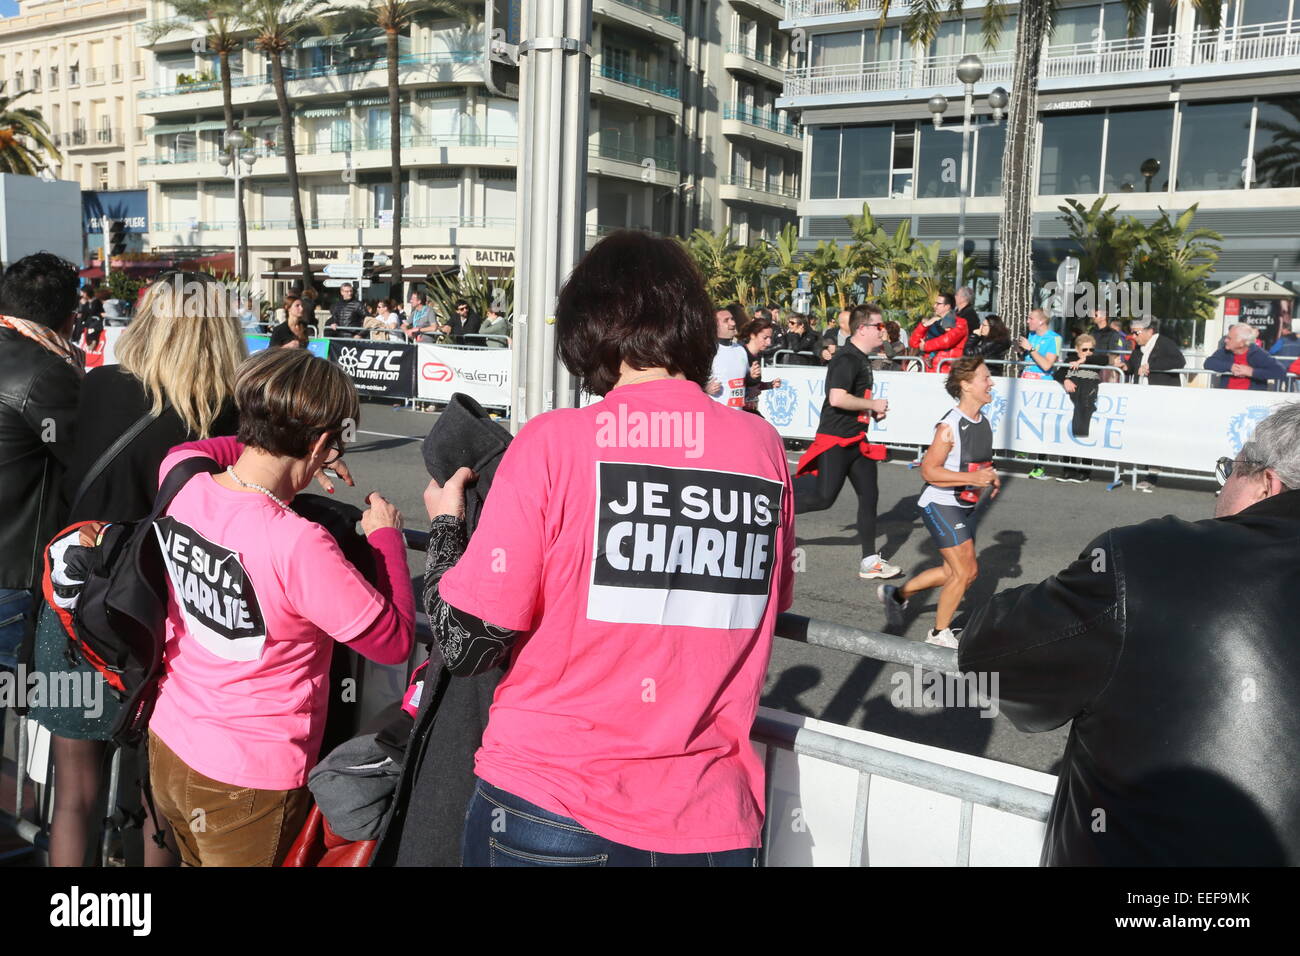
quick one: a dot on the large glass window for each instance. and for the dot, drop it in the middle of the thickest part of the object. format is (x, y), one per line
(866, 160)
(1263, 11)
(1114, 21)
(948, 39)
(1071, 154)
(1277, 143)
(837, 49)
(1076, 25)
(939, 165)
(1137, 150)
(990, 144)
(1212, 145)
(824, 167)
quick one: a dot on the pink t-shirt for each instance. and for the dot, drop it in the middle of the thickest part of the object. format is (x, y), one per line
(256, 593)
(644, 543)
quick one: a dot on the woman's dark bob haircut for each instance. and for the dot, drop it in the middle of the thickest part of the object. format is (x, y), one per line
(636, 299)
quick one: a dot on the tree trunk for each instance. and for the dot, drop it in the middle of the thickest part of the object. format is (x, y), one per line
(395, 161)
(1016, 233)
(291, 169)
(228, 111)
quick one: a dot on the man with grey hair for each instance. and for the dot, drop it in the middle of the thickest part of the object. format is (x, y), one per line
(1243, 363)
(1156, 356)
(1182, 693)
(966, 307)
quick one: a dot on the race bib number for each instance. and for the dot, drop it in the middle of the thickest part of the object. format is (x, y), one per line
(736, 392)
(682, 546)
(212, 590)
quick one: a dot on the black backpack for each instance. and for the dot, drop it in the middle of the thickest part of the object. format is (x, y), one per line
(121, 611)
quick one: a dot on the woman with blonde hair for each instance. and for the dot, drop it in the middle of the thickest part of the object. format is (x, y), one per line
(174, 382)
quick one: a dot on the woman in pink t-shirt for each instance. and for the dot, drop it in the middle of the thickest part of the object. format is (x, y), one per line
(627, 568)
(257, 597)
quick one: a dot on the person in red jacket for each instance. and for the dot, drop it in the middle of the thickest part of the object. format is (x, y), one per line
(935, 345)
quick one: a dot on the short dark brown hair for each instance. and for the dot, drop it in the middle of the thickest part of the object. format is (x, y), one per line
(963, 370)
(637, 299)
(754, 326)
(288, 398)
(862, 314)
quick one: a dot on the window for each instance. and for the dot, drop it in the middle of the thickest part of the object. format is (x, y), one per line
(990, 143)
(1137, 150)
(1071, 154)
(939, 167)
(1213, 144)
(904, 161)
(101, 175)
(1076, 25)
(1263, 11)
(18, 80)
(54, 77)
(36, 79)
(837, 49)
(824, 169)
(866, 158)
(1277, 131)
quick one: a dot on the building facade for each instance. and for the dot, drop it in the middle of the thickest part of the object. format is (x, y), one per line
(683, 135)
(83, 68)
(1177, 114)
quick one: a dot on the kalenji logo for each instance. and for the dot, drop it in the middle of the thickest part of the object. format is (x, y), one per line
(437, 372)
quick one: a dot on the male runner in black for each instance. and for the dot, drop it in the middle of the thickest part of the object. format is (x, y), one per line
(840, 449)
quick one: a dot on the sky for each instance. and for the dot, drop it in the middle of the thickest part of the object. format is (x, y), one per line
(8, 8)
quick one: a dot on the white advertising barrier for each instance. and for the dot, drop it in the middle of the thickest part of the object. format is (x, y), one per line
(1183, 428)
(482, 374)
(812, 806)
(106, 351)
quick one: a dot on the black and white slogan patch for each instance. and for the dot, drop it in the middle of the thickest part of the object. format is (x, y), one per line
(682, 546)
(213, 591)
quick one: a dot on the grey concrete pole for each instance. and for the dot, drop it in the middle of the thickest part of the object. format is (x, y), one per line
(964, 186)
(554, 86)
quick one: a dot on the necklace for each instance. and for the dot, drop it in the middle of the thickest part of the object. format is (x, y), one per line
(645, 378)
(254, 487)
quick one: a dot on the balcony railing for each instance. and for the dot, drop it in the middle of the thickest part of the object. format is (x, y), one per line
(361, 144)
(748, 51)
(361, 65)
(637, 157)
(774, 188)
(760, 118)
(635, 79)
(798, 9)
(654, 9)
(95, 74)
(1255, 43)
(365, 222)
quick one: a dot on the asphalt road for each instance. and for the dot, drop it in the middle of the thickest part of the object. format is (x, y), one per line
(1033, 529)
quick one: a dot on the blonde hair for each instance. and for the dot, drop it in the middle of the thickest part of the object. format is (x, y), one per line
(184, 346)
(1084, 339)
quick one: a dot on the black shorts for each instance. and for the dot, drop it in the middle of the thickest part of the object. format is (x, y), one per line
(949, 525)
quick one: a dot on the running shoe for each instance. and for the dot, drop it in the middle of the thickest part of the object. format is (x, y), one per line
(948, 637)
(1146, 486)
(894, 608)
(1074, 477)
(880, 569)
(1040, 474)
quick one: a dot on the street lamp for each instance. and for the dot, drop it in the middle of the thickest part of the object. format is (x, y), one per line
(970, 70)
(238, 161)
(1150, 168)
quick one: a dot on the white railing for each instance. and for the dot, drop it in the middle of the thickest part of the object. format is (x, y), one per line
(1269, 41)
(796, 9)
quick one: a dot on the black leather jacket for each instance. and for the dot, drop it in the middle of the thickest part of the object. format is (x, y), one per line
(1175, 649)
(38, 408)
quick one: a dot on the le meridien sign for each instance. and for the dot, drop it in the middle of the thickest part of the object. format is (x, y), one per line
(1067, 105)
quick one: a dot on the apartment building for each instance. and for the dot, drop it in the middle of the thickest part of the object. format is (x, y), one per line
(1175, 115)
(84, 69)
(683, 134)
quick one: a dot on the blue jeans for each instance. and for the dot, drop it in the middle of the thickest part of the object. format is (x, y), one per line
(15, 620)
(504, 830)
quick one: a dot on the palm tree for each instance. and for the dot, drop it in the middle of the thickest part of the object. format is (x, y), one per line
(277, 25)
(1177, 259)
(1106, 242)
(218, 20)
(787, 262)
(16, 127)
(394, 17)
(713, 253)
(1033, 26)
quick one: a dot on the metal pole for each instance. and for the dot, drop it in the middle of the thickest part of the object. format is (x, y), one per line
(961, 201)
(554, 79)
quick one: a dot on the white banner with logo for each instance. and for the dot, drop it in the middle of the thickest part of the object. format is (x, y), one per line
(482, 374)
(1182, 428)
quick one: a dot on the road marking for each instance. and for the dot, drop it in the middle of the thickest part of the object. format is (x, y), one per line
(387, 435)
